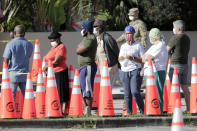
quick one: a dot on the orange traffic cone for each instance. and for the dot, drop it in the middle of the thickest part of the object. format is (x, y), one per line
(76, 107)
(167, 81)
(175, 92)
(152, 106)
(168, 85)
(193, 89)
(29, 110)
(134, 106)
(43, 73)
(53, 107)
(106, 106)
(19, 103)
(168, 68)
(40, 96)
(165, 98)
(124, 111)
(71, 79)
(177, 120)
(36, 65)
(7, 101)
(96, 88)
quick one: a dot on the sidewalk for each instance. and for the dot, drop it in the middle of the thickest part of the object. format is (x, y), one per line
(99, 122)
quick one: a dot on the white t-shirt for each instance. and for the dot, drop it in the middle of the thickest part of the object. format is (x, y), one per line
(134, 50)
(160, 54)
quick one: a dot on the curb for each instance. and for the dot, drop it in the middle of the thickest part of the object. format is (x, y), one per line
(104, 122)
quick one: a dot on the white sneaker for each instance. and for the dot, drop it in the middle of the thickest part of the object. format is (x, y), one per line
(87, 110)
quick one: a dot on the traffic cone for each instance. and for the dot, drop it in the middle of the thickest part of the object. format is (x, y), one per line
(96, 88)
(167, 81)
(124, 110)
(76, 107)
(134, 106)
(165, 98)
(175, 92)
(168, 85)
(152, 106)
(71, 79)
(193, 89)
(7, 101)
(36, 65)
(40, 96)
(43, 73)
(29, 110)
(106, 106)
(53, 107)
(177, 120)
(168, 68)
(19, 103)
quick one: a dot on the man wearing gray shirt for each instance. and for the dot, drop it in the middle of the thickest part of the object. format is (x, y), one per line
(17, 54)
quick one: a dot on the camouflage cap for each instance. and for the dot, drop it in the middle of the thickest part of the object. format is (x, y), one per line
(155, 33)
(133, 11)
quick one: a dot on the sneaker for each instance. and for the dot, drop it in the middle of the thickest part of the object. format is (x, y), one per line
(87, 110)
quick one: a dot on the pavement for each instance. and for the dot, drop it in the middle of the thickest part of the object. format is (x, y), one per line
(100, 122)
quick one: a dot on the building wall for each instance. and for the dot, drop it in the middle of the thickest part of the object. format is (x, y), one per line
(72, 39)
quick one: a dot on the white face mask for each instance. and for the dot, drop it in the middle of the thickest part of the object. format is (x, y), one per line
(54, 44)
(131, 18)
(83, 32)
(174, 31)
(151, 41)
(95, 31)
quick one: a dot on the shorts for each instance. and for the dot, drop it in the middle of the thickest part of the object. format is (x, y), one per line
(182, 73)
(86, 76)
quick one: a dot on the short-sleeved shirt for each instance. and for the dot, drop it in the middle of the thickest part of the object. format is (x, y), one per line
(88, 57)
(61, 51)
(180, 43)
(160, 54)
(18, 52)
(134, 50)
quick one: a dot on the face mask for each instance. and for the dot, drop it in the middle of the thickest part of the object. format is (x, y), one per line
(54, 44)
(174, 31)
(95, 31)
(83, 32)
(131, 18)
(151, 41)
(129, 39)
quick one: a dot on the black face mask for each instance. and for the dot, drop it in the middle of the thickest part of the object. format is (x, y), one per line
(84, 33)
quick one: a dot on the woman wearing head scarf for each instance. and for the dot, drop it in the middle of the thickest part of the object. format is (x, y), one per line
(130, 61)
(58, 54)
(158, 53)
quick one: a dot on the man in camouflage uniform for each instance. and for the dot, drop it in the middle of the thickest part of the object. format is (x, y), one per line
(139, 25)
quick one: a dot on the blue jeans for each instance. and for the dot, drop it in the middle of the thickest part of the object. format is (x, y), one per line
(15, 85)
(132, 83)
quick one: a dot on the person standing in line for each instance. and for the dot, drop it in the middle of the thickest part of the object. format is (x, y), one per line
(159, 55)
(11, 35)
(86, 51)
(130, 60)
(107, 49)
(139, 26)
(17, 54)
(58, 55)
(178, 48)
